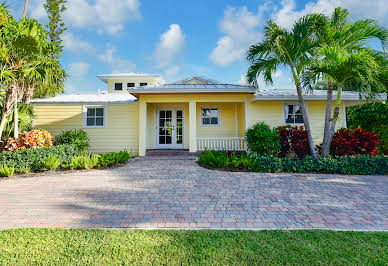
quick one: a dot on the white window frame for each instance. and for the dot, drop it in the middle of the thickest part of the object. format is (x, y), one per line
(285, 109)
(84, 115)
(210, 107)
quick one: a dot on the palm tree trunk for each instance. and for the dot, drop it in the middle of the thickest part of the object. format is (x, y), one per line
(333, 122)
(16, 120)
(25, 8)
(306, 121)
(329, 105)
(2, 124)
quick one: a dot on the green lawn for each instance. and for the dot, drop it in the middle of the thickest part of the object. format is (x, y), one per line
(79, 246)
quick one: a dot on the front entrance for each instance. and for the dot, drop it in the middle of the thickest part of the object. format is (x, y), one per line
(170, 125)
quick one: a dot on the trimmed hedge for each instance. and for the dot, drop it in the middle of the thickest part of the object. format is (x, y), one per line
(355, 165)
(33, 158)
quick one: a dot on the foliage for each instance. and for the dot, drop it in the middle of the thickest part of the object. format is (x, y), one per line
(77, 137)
(25, 115)
(6, 171)
(56, 27)
(354, 141)
(32, 158)
(262, 140)
(217, 159)
(372, 117)
(352, 165)
(30, 139)
(112, 158)
(293, 139)
(240, 160)
(51, 163)
(85, 161)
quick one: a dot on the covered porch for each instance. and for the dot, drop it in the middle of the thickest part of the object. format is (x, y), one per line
(192, 122)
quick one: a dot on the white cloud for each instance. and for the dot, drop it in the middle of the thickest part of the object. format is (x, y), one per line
(287, 14)
(71, 43)
(79, 69)
(243, 80)
(104, 15)
(115, 62)
(170, 45)
(240, 27)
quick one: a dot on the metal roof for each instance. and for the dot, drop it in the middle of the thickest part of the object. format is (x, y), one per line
(290, 94)
(89, 98)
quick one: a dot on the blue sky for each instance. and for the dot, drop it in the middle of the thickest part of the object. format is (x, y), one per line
(176, 38)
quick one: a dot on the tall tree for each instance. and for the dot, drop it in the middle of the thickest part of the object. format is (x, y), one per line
(56, 26)
(291, 49)
(344, 61)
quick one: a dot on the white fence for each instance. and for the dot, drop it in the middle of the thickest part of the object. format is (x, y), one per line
(229, 144)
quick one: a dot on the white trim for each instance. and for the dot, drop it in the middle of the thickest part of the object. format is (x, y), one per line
(191, 90)
(148, 130)
(284, 113)
(344, 115)
(236, 119)
(246, 113)
(84, 115)
(171, 146)
(218, 107)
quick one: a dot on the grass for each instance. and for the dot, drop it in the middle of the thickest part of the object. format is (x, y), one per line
(93, 246)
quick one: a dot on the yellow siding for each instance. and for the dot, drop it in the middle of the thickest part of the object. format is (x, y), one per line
(120, 133)
(110, 82)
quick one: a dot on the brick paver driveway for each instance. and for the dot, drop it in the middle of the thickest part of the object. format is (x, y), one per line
(179, 194)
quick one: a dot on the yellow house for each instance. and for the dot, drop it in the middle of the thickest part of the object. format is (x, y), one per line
(139, 112)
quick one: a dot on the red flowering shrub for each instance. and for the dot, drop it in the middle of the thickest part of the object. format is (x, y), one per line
(30, 139)
(354, 141)
(293, 139)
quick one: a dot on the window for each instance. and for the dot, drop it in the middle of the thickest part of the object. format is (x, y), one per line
(94, 116)
(130, 85)
(210, 116)
(143, 84)
(293, 114)
(118, 86)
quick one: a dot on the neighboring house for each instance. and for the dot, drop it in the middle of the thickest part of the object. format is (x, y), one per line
(139, 112)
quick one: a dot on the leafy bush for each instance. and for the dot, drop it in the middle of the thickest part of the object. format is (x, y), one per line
(217, 159)
(6, 171)
(85, 161)
(262, 140)
(241, 160)
(77, 137)
(32, 158)
(112, 158)
(355, 165)
(293, 140)
(354, 141)
(51, 163)
(30, 139)
(372, 117)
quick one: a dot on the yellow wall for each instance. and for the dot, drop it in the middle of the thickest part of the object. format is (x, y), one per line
(120, 133)
(126, 80)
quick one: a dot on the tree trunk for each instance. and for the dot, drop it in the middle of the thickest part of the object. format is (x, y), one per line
(2, 124)
(333, 122)
(16, 120)
(306, 121)
(7, 106)
(329, 105)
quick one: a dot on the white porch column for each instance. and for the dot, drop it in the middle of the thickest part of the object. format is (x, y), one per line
(142, 128)
(192, 126)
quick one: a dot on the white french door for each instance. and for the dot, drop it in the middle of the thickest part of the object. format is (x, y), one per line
(170, 127)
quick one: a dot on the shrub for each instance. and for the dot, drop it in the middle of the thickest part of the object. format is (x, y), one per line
(85, 161)
(293, 139)
(51, 163)
(240, 160)
(6, 171)
(112, 158)
(77, 137)
(30, 139)
(217, 159)
(262, 140)
(354, 165)
(33, 158)
(354, 141)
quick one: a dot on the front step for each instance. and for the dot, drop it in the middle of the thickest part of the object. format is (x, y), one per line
(169, 152)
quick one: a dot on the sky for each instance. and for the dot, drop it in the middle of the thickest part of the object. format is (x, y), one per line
(176, 38)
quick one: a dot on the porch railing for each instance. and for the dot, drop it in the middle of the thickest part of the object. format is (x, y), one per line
(229, 144)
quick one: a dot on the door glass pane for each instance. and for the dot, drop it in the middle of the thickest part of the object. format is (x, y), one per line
(162, 140)
(168, 140)
(178, 114)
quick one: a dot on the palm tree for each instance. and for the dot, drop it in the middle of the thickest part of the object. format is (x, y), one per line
(342, 45)
(288, 49)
